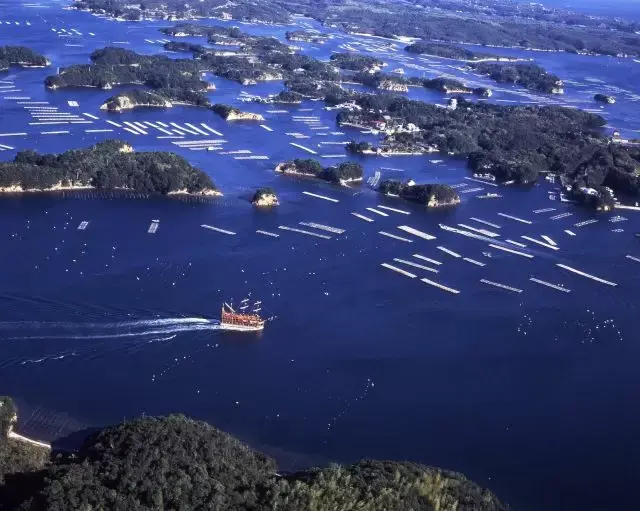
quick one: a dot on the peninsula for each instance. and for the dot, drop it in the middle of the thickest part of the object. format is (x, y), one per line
(109, 165)
(176, 463)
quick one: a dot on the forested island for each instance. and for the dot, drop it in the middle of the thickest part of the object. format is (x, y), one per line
(265, 197)
(109, 165)
(507, 24)
(356, 62)
(529, 76)
(603, 98)
(306, 36)
(451, 51)
(178, 463)
(346, 172)
(429, 195)
(20, 56)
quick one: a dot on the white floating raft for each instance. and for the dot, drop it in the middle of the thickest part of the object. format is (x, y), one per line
(317, 196)
(362, 217)
(311, 151)
(399, 270)
(538, 242)
(415, 265)
(557, 287)
(501, 286)
(400, 238)
(217, 229)
(302, 231)
(592, 277)
(401, 211)
(440, 286)
(511, 217)
(479, 220)
(267, 233)
(429, 260)
(473, 261)
(416, 232)
(510, 250)
(322, 227)
(377, 211)
(450, 252)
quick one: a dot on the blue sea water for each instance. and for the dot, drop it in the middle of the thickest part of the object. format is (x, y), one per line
(532, 394)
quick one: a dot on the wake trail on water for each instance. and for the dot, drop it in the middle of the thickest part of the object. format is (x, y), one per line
(163, 328)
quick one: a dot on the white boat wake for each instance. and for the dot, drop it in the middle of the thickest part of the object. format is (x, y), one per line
(124, 329)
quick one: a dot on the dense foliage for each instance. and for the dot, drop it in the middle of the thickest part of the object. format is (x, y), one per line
(432, 195)
(344, 172)
(107, 165)
(177, 463)
(117, 66)
(529, 76)
(20, 56)
(381, 486)
(355, 62)
(448, 51)
(512, 142)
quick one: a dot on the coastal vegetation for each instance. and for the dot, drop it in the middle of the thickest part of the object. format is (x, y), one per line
(134, 99)
(343, 173)
(430, 195)
(20, 56)
(178, 463)
(108, 165)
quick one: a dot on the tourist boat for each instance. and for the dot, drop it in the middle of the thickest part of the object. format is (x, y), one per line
(242, 320)
(489, 196)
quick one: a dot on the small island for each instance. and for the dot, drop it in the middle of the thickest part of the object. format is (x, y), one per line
(20, 56)
(429, 195)
(307, 36)
(229, 113)
(109, 165)
(529, 76)
(174, 462)
(450, 51)
(344, 173)
(603, 98)
(265, 197)
(356, 62)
